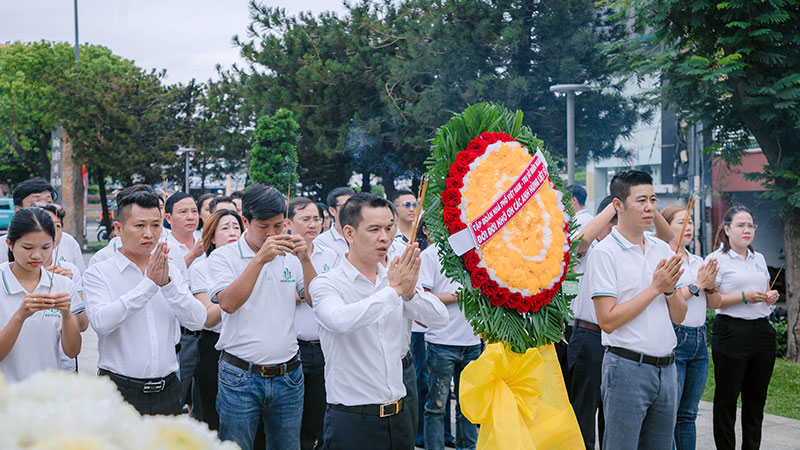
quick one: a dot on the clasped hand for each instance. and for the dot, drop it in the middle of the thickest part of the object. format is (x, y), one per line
(404, 272)
(667, 274)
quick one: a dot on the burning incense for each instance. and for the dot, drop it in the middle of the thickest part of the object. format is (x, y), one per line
(420, 199)
(776, 278)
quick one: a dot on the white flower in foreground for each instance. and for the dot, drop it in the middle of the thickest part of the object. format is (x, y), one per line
(57, 410)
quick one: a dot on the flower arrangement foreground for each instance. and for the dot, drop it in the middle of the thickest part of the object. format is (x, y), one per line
(57, 410)
(483, 161)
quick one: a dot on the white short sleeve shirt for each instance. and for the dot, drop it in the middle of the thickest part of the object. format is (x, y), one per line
(305, 323)
(262, 330)
(582, 305)
(458, 331)
(620, 269)
(696, 306)
(39, 341)
(334, 241)
(199, 282)
(737, 274)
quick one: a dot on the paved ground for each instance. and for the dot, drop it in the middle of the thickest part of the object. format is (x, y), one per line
(779, 433)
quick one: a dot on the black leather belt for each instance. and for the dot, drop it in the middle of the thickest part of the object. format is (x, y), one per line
(185, 330)
(658, 361)
(309, 343)
(267, 371)
(384, 410)
(146, 385)
(588, 325)
(407, 360)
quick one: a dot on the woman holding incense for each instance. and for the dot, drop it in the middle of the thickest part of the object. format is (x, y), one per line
(696, 287)
(743, 341)
(35, 305)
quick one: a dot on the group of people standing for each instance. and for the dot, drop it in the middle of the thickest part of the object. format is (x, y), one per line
(285, 323)
(637, 358)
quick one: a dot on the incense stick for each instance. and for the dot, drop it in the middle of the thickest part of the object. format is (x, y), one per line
(776, 278)
(686, 218)
(288, 192)
(420, 200)
(52, 276)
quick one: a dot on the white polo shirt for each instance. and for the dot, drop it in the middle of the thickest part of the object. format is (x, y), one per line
(305, 323)
(136, 320)
(737, 274)
(68, 364)
(199, 282)
(619, 269)
(37, 346)
(696, 306)
(458, 331)
(361, 332)
(68, 250)
(262, 330)
(582, 305)
(180, 250)
(334, 241)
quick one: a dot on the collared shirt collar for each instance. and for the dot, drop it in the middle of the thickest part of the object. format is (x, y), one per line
(733, 255)
(244, 248)
(122, 261)
(336, 235)
(625, 243)
(353, 273)
(13, 286)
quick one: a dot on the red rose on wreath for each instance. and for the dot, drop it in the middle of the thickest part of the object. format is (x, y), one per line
(455, 227)
(456, 183)
(466, 156)
(479, 277)
(477, 146)
(451, 197)
(451, 214)
(471, 260)
(458, 169)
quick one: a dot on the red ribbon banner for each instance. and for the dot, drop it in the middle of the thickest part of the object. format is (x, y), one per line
(488, 224)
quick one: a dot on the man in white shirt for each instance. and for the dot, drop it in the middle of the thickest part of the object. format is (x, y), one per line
(333, 238)
(363, 310)
(304, 220)
(135, 301)
(449, 351)
(37, 190)
(633, 278)
(256, 282)
(406, 206)
(582, 215)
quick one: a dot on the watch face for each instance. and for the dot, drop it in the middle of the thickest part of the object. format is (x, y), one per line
(694, 290)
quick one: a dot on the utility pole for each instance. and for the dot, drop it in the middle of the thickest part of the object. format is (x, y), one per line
(570, 90)
(186, 152)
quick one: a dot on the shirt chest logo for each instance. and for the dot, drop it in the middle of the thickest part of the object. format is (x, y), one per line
(287, 276)
(760, 269)
(325, 268)
(52, 313)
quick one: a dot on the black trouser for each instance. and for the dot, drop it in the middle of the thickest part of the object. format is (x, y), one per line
(561, 354)
(412, 395)
(585, 364)
(314, 397)
(744, 356)
(166, 401)
(207, 368)
(345, 430)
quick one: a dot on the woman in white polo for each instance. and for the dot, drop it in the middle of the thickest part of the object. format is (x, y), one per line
(742, 341)
(35, 305)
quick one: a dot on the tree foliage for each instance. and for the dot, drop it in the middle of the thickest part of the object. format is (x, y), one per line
(273, 159)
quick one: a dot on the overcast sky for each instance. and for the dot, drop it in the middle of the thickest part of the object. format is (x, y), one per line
(186, 37)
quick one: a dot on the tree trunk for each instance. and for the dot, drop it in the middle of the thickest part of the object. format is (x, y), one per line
(791, 245)
(365, 184)
(105, 218)
(44, 159)
(388, 185)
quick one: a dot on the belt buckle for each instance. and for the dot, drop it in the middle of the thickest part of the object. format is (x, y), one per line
(154, 387)
(382, 410)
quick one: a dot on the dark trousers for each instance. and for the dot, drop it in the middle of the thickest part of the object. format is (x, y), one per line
(744, 356)
(346, 430)
(314, 399)
(561, 354)
(166, 402)
(188, 359)
(585, 369)
(207, 368)
(412, 400)
(419, 352)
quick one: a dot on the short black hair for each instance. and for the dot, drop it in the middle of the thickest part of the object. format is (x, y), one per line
(262, 202)
(400, 193)
(622, 182)
(143, 198)
(338, 192)
(204, 198)
(217, 200)
(322, 208)
(56, 209)
(578, 192)
(603, 204)
(175, 198)
(32, 186)
(351, 211)
(299, 203)
(133, 189)
(29, 220)
(237, 194)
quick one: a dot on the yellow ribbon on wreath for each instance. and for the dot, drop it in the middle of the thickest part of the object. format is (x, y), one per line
(519, 400)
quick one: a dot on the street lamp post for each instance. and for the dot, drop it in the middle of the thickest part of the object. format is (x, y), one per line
(186, 151)
(570, 90)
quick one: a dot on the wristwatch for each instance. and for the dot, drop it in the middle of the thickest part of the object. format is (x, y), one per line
(694, 290)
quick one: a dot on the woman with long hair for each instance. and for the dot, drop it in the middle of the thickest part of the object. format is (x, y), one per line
(742, 340)
(222, 228)
(696, 287)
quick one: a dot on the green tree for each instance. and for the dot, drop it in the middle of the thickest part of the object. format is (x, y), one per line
(273, 159)
(734, 66)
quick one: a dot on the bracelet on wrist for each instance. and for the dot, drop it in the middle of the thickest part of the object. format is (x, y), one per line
(744, 299)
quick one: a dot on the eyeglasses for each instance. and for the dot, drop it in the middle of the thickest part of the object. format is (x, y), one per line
(45, 205)
(409, 205)
(742, 225)
(309, 219)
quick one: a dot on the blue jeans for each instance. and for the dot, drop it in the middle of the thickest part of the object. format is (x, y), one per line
(244, 397)
(691, 363)
(445, 362)
(639, 404)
